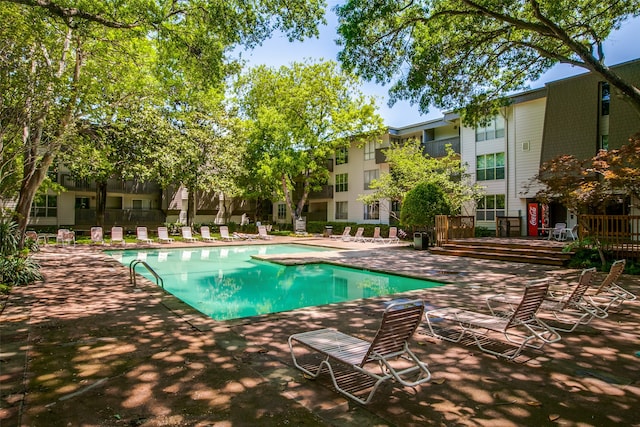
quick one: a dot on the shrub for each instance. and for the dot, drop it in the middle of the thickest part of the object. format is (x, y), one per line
(16, 268)
(422, 204)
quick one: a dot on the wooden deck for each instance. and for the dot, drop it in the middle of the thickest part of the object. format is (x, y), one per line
(527, 250)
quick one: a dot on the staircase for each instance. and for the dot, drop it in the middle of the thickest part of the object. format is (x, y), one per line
(532, 251)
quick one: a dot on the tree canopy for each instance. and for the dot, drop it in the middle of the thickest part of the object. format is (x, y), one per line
(300, 116)
(471, 54)
(589, 185)
(410, 166)
(62, 64)
(422, 204)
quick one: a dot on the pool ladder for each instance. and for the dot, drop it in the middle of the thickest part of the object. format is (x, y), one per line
(132, 272)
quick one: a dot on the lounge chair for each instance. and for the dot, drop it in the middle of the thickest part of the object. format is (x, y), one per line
(346, 234)
(371, 362)
(206, 234)
(393, 236)
(567, 308)
(142, 236)
(224, 234)
(262, 233)
(377, 237)
(609, 294)
(163, 235)
(521, 328)
(359, 236)
(97, 235)
(187, 236)
(117, 235)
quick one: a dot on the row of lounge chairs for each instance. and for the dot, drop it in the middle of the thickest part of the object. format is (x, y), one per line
(142, 235)
(359, 236)
(515, 323)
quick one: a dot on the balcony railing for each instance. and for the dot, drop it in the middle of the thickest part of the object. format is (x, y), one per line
(437, 148)
(124, 217)
(113, 185)
(619, 234)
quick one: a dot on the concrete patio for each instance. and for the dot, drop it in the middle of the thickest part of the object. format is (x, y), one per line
(86, 348)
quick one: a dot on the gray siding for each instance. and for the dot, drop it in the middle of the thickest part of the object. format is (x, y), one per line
(623, 119)
(571, 118)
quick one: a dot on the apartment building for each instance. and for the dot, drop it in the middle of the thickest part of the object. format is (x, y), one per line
(578, 115)
(353, 169)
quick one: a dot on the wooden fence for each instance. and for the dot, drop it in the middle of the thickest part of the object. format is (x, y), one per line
(618, 234)
(453, 227)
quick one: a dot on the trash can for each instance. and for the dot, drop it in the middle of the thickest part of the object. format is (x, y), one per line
(328, 230)
(420, 241)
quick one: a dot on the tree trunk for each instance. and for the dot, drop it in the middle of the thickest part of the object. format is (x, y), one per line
(34, 174)
(191, 206)
(101, 202)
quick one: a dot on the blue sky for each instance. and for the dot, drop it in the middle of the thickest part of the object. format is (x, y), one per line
(623, 45)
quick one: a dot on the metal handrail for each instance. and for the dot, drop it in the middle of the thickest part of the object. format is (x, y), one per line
(132, 272)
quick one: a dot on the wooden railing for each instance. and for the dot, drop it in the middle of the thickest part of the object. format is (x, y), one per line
(619, 234)
(453, 227)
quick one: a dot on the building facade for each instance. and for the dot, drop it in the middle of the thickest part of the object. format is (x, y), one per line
(578, 116)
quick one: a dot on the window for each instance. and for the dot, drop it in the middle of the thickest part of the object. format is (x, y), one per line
(372, 211)
(136, 204)
(494, 129)
(342, 182)
(489, 207)
(369, 176)
(490, 167)
(605, 98)
(342, 210)
(82, 203)
(604, 142)
(282, 211)
(45, 205)
(370, 151)
(342, 156)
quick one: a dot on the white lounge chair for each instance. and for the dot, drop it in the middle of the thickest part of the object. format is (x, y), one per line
(566, 305)
(117, 235)
(522, 328)
(346, 234)
(97, 235)
(375, 359)
(262, 233)
(377, 237)
(224, 234)
(142, 236)
(187, 236)
(163, 235)
(206, 234)
(609, 294)
(359, 236)
(393, 236)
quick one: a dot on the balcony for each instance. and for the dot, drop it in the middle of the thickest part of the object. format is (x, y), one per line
(123, 217)
(437, 148)
(113, 185)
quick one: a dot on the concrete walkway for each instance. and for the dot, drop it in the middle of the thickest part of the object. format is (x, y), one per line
(85, 348)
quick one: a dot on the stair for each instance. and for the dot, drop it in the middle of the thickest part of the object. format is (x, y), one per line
(515, 250)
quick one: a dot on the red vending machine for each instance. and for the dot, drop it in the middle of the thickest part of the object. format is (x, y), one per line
(537, 218)
(533, 216)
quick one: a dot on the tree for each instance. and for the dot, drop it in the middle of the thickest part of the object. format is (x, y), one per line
(206, 155)
(422, 204)
(472, 53)
(300, 116)
(56, 61)
(409, 166)
(591, 184)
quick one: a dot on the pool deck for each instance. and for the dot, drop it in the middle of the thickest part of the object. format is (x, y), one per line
(86, 348)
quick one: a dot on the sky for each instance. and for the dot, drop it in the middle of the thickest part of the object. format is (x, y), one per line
(623, 45)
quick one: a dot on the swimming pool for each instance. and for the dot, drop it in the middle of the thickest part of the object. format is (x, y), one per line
(227, 283)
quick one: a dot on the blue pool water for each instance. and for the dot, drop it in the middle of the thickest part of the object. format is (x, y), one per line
(226, 283)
